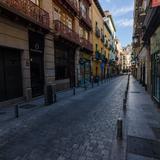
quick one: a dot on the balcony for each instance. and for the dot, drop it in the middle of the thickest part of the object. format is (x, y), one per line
(27, 10)
(98, 32)
(85, 19)
(70, 5)
(63, 31)
(97, 55)
(102, 38)
(86, 44)
(151, 22)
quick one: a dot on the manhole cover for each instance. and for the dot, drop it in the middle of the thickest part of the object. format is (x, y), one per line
(28, 106)
(1, 113)
(156, 132)
(144, 147)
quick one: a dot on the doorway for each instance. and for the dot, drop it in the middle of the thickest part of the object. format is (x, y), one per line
(37, 74)
(11, 75)
(36, 47)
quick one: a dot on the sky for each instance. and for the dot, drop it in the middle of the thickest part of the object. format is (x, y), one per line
(122, 12)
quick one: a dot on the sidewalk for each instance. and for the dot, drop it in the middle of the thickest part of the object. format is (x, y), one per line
(143, 125)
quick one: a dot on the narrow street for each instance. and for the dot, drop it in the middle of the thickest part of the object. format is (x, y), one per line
(81, 127)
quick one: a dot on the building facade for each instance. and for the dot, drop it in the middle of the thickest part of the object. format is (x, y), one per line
(112, 42)
(62, 44)
(147, 43)
(25, 47)
(98, 66)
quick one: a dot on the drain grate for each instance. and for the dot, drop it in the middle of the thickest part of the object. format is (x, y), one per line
(28, 106)
(144, 147)
(156, 132)
(135, 92)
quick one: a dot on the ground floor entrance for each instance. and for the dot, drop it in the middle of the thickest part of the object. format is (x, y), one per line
(36, 47)
(156, 76)
(64, 66)
(10, 74)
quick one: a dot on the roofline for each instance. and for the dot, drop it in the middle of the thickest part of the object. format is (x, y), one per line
(99, 7)
(110, 15)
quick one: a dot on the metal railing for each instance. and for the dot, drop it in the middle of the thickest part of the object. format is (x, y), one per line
(86, 19)
(65, 32)
(86, 44)
(73, 5)
(29, 9)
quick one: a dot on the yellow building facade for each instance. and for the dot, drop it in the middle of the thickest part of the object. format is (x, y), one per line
(106, 47)
(99, 49)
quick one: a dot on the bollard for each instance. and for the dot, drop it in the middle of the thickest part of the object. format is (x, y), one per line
(48, 95)
(74, 91)
(17, 111)
(119, 129)
(124, 104)
(55, 98)
(92, 84)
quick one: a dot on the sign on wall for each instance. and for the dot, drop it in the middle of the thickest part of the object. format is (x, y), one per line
(155, 3)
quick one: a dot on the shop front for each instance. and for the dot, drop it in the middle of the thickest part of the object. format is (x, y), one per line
(85, 69)
(155, 64)
(64, 66)
(96, 68)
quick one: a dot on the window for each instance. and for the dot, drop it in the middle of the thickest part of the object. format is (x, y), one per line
(83, 9)
(69, 22)
(96, 24)
(81, 32)
(96, 47)
(56, 14)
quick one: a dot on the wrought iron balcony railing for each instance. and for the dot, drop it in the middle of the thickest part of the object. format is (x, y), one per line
(102, 37)
(65, 32)
(28, 10)
(86, 44)
(72, 5)
(86, 19)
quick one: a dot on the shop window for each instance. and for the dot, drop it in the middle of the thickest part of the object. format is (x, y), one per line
(61, 65)
(63, 18)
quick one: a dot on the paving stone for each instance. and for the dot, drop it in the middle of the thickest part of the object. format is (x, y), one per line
(144, 147)
(80, 126)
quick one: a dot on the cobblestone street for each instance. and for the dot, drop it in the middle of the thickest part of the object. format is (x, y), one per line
(79, 128)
